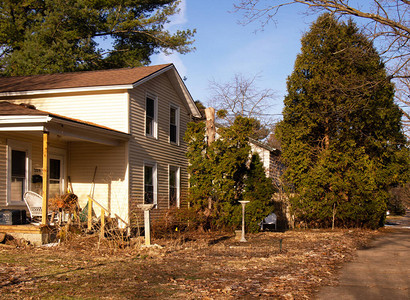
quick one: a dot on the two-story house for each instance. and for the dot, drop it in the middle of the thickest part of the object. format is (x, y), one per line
(114, 134)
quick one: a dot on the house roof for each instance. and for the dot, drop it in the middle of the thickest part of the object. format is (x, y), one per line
(10, 109)
(263, 145)
(78, 79)
(94, 80)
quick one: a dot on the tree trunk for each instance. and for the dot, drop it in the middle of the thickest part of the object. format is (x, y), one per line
(210, 124)
(326, 139)
(334, 216)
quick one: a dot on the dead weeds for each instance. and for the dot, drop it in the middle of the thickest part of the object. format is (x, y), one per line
(190, 266)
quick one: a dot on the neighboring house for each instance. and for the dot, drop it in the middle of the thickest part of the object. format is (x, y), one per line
(114, 134)
(269, 157)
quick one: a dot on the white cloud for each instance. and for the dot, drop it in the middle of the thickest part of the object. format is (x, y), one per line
(175, 58)
(180, 18)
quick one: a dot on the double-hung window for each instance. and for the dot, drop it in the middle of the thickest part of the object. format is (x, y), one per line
(151, 116)
(56, 174)
(173, 182)
(174, 124)
(19, 155)
(55, 177)
(150, 183)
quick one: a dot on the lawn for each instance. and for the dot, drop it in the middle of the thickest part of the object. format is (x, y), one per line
(190, 266)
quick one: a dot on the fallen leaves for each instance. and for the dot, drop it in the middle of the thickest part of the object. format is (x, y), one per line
(204, 266)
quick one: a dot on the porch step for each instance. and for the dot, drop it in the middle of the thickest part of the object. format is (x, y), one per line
(27, 228)
(36, 235)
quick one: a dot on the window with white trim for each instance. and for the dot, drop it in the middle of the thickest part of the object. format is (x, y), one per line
(174, 124)
(173, 182)
(151, 123)
(18, 163)
(56, 176)
(150, 183)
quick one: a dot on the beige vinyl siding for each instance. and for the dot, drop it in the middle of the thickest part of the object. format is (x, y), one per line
(111, 180)
(35, 140)
(111, 186)
(109, 109)
(144, 148)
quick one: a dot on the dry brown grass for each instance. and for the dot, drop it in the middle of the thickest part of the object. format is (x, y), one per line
(190, 266)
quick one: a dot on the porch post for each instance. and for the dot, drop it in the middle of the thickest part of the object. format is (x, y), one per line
(44, 219)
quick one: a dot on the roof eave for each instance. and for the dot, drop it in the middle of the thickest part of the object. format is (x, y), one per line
(191, 103)
(153, 75)
(63, 127)
(88, 132)
(179, 84)
(68, 90)
(263, 145)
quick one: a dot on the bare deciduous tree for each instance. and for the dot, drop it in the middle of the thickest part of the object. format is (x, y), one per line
(403, 96)
(242, 97)
(387, 22)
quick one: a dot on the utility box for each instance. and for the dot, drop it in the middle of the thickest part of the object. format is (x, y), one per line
(12, 217)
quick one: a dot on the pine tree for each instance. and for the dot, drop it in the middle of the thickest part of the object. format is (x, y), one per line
(341, 130)
(225, 173)
(50, 36)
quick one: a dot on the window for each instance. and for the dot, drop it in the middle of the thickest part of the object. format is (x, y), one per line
(55, 178)
(173, 186)
(56, 171)
(150, 183)
(18, 175)
(151, 116)
(174, 124)
(18, 165)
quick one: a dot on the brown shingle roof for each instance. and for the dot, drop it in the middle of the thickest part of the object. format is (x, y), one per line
(77, 79)
(7, 108)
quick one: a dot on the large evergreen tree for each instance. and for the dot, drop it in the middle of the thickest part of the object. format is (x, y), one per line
(341, 130)
(225, 173)
(49, 36)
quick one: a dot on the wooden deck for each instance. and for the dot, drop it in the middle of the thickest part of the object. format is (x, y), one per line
(35, 234)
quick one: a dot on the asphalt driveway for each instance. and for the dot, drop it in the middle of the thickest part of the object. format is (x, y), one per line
(381, 271)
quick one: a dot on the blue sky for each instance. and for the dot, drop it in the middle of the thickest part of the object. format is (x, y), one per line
(224, 48)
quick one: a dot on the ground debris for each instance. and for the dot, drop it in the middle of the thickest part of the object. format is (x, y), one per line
(205, 266)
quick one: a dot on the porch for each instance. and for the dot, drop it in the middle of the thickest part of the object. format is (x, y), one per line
(50, 155)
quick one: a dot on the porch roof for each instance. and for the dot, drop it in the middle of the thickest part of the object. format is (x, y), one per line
(22, 117)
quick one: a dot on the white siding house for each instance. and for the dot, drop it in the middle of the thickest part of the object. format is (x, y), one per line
(115, 134)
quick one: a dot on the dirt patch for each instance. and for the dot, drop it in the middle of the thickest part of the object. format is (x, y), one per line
(290, 265)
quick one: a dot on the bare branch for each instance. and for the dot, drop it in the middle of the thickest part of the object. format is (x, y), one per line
(241, 97)
(388, 25)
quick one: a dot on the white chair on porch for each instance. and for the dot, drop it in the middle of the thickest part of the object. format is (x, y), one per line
(34, 204)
